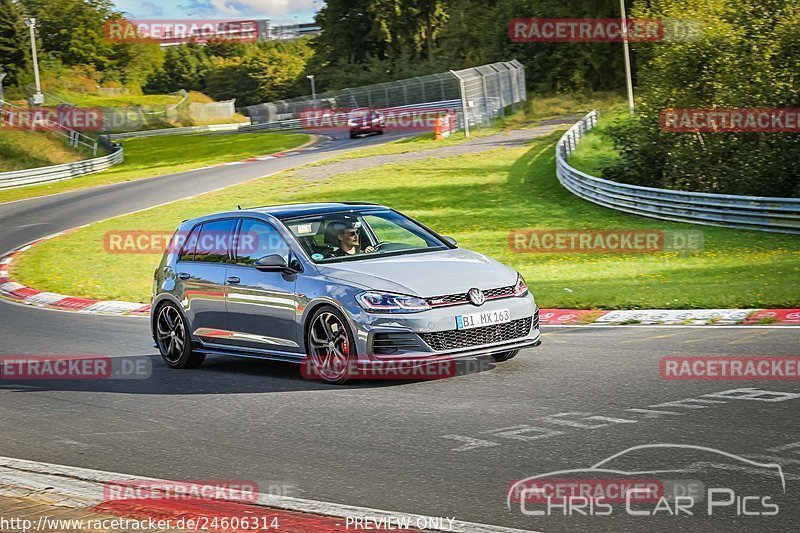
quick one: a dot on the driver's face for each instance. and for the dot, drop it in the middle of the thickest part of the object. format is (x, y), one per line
(350, 237)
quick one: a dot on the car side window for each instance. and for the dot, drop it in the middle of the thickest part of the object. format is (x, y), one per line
(187, 253)
(257, 239)
(387, 231)
(214, 241)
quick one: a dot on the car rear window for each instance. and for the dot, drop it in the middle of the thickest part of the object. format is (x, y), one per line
(214, 242)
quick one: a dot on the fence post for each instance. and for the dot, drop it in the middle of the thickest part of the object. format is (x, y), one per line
(463, 92)
(485, 90)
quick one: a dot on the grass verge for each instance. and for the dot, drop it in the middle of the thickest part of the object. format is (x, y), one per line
(22, 149)
(478, 199)
(156, 156)
(93, 100)
(596, 150)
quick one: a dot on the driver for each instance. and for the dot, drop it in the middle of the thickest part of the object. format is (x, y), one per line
(348, 235)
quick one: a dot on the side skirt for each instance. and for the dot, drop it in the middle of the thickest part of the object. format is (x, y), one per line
(211, 349)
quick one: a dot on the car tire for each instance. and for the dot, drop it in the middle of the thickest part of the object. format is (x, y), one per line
(352, 135)
(173, 339)
(328, 325)
(505, 356)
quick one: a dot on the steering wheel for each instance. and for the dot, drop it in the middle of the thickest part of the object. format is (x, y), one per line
(377, 245)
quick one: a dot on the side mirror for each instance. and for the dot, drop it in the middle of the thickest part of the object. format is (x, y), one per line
(271, 263)
(276, 263)
(449, 240)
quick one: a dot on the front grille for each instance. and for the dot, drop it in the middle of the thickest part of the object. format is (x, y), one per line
(455, 339)
(389, 343)
(461, 298)
(501, 292)
(449, 299)
(536, 319)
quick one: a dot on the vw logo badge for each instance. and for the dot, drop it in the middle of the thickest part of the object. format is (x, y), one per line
(476, 297)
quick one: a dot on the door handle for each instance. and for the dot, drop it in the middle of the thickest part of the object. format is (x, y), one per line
(184, 275)
(233, 280)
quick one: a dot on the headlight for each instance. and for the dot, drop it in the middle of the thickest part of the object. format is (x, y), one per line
(520, 288)
(384, 302)
(352, 123)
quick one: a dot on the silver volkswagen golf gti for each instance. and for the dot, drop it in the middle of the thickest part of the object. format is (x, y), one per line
(339, 285)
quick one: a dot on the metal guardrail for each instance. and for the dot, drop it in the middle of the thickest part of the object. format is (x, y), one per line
(762, 213)
(291, 124)
(20, 178)
(176, 131)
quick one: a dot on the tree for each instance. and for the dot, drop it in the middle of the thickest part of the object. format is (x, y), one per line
(14, 45)
(273, 72)
(399, 38)
(73, 30)
(226, 48)
(746, 56)
(185, 67)
(138, 62)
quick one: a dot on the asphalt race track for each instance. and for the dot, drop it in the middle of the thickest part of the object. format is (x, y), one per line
(450, 447)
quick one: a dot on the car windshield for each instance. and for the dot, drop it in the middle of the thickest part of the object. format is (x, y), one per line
(353, 235)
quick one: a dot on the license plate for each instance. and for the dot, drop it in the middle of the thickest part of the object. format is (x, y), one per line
(487, 318)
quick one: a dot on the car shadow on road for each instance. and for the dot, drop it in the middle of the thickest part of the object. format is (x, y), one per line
(148, 374)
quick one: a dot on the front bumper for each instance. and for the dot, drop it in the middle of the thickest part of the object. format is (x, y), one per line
(382, 337)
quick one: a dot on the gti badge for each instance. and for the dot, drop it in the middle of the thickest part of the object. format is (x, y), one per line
(476, 297)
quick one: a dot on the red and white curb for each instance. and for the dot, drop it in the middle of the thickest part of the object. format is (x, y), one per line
(672, 317)
(19, 293)
(85, 489)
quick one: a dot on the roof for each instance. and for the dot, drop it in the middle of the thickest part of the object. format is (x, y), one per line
(299, 210)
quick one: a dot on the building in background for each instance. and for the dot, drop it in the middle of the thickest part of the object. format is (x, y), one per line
(235, 30)
(293, 31)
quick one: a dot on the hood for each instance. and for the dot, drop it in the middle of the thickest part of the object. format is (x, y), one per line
(425, 274)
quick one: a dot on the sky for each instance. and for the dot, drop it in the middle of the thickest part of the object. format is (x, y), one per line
(278, 11)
